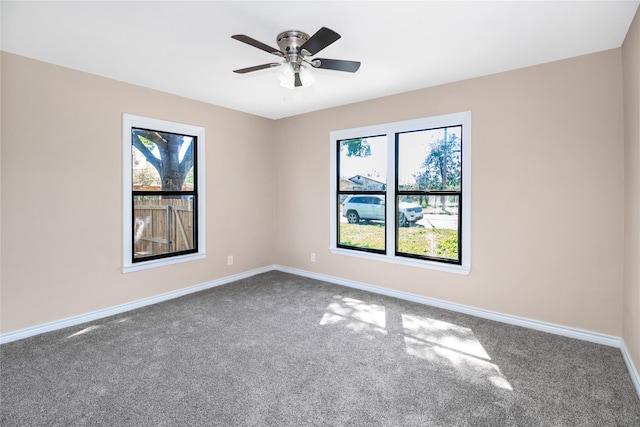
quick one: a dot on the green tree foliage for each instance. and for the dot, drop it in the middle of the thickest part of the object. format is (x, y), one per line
(358, 147)
(442, 166)
(172, 170)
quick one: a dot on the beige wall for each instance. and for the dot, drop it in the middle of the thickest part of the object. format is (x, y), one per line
(62, 192)
(547, 192)
(631, 72)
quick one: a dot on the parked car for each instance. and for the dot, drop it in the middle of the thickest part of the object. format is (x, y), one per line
(372, 207)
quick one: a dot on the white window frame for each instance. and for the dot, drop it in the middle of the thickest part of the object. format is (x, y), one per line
(390, 130)
(130, 121)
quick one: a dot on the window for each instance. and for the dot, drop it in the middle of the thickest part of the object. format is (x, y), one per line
(362, 193)
(414, 175)
(163, 194)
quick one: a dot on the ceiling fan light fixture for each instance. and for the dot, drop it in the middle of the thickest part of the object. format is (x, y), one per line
(286, 75)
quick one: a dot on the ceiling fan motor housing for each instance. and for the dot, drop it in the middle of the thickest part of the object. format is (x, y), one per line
(290, 42)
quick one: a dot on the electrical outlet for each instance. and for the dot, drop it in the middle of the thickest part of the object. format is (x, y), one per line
(230, 260)
(313, 257)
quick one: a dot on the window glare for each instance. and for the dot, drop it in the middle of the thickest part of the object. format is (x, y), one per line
(162, 225)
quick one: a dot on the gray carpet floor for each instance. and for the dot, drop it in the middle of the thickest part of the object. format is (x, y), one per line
(281, 350)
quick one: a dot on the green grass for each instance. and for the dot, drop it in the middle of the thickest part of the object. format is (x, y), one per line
(362, 235)
(439, 243)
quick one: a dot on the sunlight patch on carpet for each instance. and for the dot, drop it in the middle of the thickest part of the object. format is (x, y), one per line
(355, 315)
(451, 345)
(444, 334)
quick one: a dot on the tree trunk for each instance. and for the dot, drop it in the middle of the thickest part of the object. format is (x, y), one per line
(172, 171)
(172, 178)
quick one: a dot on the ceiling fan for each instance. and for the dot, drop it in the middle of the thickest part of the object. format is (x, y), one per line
(295, 47)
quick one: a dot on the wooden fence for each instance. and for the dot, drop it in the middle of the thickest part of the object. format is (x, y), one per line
(162, 226)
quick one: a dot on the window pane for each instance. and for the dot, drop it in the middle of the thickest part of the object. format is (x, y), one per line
(430, 159)
(362, 222)
(162, 224)
(162, 160)
(362, 164)
(145, 176)
(436, 234)
(410, 210)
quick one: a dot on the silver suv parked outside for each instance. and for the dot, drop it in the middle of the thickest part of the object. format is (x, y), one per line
(372, 207)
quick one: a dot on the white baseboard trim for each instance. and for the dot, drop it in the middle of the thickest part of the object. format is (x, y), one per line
(478, 312)
(635, 377)
(99, 314)
(566, 331)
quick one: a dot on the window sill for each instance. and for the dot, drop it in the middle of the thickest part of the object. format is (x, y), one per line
(431, 265)
(145, 265)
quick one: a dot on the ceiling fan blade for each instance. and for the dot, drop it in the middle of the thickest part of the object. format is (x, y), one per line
(298, 82)
(321, 39)
(336, 64)
(256, 68)
(255, 43)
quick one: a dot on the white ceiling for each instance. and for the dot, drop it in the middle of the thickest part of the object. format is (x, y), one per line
(185, 47)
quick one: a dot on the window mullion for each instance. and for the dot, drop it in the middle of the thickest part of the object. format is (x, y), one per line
(391, 198)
